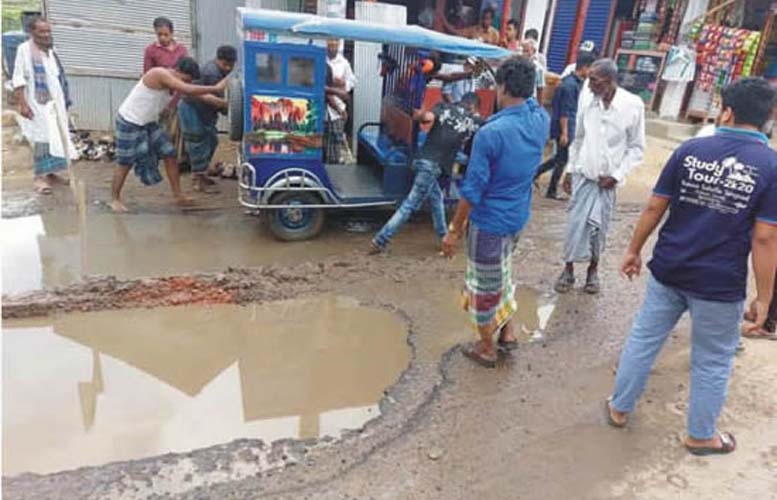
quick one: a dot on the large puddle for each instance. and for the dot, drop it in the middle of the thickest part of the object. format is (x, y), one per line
(86, 389)
(53, 249)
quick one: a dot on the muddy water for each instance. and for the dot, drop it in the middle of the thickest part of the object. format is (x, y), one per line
(86, 389)
(53, 249)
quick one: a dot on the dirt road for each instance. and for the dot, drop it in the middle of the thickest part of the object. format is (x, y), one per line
(532, 429)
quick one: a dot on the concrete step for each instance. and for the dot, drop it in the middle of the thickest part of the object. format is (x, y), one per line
(670, 130)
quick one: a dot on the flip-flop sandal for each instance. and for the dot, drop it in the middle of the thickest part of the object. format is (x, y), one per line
(507, 345)
(43, 189)
(726, 439)
(564, 283)
(592, 286)
(608, 415)
(55, 179)
(470, 351)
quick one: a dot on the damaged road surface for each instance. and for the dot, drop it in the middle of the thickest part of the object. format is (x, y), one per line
(187, 355)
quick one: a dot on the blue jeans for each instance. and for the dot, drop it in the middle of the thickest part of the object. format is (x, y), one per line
(425, 185)
(714, 340)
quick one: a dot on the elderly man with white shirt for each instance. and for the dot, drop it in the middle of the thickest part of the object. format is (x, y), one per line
(609, 143)
(41, 90)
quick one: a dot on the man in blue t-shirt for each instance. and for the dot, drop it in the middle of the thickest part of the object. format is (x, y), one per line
(721, 192)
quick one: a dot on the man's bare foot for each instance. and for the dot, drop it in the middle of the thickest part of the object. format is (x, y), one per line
(41, 185)
(118, 207)
(203, 184)
(57, 179)
(184, 201)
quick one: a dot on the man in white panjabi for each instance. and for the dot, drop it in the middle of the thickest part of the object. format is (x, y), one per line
(42, 92)
(609, 142)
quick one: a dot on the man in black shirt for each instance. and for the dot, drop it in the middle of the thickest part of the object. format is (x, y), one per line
(452, 126)
(198, 117)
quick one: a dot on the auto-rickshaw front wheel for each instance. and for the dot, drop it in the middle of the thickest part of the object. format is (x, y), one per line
(295, 221)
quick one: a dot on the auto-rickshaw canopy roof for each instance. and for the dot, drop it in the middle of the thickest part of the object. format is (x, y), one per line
(312, 26)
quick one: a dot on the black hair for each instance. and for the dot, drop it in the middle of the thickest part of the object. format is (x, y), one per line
(513, 22)
(533, 34)
(518, 76)
(227, 53)
(188, 66)
(470, 99)
(584, 59)
(35, 20)
(751, 99)
(487, 10)
(163, 22)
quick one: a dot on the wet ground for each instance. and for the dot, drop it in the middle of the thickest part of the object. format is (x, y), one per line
(532, 428)
(136, 383)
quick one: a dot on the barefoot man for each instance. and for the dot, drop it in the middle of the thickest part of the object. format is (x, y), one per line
(496, 203)
(41, 90)
(140, 142)
(721, 194)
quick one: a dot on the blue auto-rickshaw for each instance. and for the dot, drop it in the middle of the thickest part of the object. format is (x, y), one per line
(277, 108)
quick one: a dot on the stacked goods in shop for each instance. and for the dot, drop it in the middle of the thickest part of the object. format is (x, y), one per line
(645, 33)
(724, 54)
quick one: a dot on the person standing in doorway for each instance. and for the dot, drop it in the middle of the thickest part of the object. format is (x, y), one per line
(198, 116)
(721, 194)
(563, 120)
(609, 142)
(495, 206)
(140, 142)
(452, 125)
(343, 79)
(41, 89)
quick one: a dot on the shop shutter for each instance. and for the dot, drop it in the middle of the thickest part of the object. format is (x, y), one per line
(596, 21)
(563, 24)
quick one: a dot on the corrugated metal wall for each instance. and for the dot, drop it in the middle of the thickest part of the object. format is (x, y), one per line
(107, 37)
(97, 99)
(215, 26)
(367, 94)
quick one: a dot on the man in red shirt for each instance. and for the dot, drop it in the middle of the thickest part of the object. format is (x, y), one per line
(166, 51)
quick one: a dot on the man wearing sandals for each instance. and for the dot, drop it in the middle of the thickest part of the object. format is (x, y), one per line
(496, 203)
(609, 142)
(721, 193)
(42, 91)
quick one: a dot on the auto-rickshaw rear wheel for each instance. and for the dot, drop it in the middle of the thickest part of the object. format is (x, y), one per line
(295, 223)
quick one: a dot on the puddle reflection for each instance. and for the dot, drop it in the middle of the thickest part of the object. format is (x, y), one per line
(91, 388)
(54, 249)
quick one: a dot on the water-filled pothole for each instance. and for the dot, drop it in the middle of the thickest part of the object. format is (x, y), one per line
(86, 389)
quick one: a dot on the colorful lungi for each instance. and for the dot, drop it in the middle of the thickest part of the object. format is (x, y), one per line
(141, 148)
(200, 139)
(489, 293)
(42, 161)
(334, 139)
